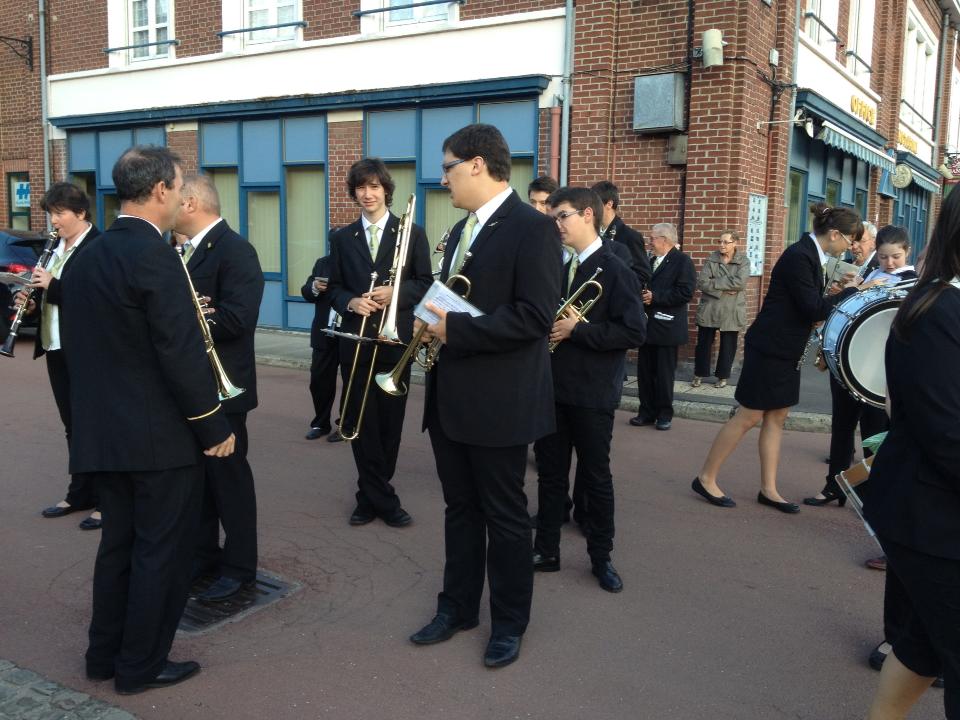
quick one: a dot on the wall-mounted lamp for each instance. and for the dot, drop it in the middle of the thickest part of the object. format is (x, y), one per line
(800, 119)
(713, 48)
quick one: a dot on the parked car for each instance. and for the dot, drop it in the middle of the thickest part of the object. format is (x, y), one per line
(19, 250)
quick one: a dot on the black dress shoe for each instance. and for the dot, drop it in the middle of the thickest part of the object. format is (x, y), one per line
(55, 511)
(362, 517)
(608, 578)
(224, 588)
(663, 424)
(785, 507)
(640, 421)
(442, 627)
(502, 650)
(878, 655)
(315, 433)
(334, 437)
(722, 501)
(546, 563)
(172, 673)
(90, 523)
(398, 518)
(828, 497)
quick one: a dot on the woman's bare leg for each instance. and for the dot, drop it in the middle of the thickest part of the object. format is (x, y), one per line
(899, 690)
(725, 443)
(771, 435)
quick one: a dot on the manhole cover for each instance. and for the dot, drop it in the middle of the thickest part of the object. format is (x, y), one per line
(201, 617)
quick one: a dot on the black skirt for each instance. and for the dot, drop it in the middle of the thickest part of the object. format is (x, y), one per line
(767, 383)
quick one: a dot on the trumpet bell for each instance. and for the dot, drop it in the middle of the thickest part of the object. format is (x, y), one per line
(391, 383)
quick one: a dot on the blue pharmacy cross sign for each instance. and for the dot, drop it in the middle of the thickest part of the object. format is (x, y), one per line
(21, 194)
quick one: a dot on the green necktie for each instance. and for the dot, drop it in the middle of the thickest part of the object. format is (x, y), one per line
(574, 264)
(374, 244)
(187, 251)
(466, 235)
(46, 322)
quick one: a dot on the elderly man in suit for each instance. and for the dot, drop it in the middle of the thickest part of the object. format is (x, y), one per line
(665, 298)
(326, 355)
(490, 393)
(224, 267)
(130, 329)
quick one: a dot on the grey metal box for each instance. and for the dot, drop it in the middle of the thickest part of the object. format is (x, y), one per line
(658, 103)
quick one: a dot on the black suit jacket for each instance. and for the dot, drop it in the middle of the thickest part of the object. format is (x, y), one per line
(914, 494)
(588, 366)
(54, 293)
(226, 269)
(137, 357)
(321, 302)
(622, 234)
(794, 302)
(672, 285)
(492, 384)
(350, 268)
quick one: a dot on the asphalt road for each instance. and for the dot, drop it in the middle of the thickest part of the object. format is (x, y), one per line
(743, 613)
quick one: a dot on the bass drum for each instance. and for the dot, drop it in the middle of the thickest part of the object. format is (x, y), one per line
(854, 338)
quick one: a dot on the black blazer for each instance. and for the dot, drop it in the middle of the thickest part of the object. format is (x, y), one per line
(54, 293)
(138, 367)
(622, 234)
(492, 384)
(588, 366)
(350, 268)
(226, 269)
(914, 493)
(672, 285)
(794, 302)
(321, 303)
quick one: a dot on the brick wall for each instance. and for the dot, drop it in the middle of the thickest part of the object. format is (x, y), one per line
(184, 143)
(196, 24)
(491, 8)
(330, 18)
(345, 147)
(76, 35)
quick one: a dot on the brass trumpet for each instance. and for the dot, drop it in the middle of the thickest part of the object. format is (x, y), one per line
(582, 309)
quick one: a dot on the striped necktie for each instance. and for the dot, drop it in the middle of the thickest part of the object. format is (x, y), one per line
(466, 235)
(374, 243)
(188, 249)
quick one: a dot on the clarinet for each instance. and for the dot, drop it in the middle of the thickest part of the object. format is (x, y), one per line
(7, 350)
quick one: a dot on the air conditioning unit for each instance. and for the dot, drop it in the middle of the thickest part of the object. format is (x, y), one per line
(658, 103)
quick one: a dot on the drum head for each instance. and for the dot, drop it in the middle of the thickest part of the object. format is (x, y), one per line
(862, 352)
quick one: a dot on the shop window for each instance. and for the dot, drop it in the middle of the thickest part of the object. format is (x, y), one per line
(306, 222)
(149, 22)
(228, 188)
(796, 200)
(88, 183)
(18, 200)
(111, 208)
(263, 227)
(832, 196)
(860, 202)
(439, 218)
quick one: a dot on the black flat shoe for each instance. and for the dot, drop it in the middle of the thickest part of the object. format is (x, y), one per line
(607, 576)
(828, 497)
(172, 673)
(315, 433)
(639, 421)
(224, 588)
(546, 563)
(398, 518)
(55, 511)
(90, 523)
(502, 650)
(784, 507)
(442, 627)
(362, 517)
(722, 501)
(334, 437)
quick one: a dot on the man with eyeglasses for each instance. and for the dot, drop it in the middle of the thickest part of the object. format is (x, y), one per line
(490, 393)
(666, 298)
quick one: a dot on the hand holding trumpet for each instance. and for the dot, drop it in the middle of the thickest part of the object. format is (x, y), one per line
(563, 326)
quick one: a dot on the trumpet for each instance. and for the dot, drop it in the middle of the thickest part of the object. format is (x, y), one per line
(387, 333)
(225, 388)
(7, 350)
(584, 307)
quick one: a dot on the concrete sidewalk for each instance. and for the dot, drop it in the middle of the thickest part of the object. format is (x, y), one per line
(291, 349)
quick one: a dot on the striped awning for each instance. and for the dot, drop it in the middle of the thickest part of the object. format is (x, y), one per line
(928, 184)
(839, 138)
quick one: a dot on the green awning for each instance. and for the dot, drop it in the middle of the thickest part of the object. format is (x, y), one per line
(837, 137)
(926, 183)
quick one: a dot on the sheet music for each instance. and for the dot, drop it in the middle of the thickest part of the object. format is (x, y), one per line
(445, 299)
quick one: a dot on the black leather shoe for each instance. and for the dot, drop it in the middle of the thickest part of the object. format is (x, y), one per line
(398, 518)
(722, 501)
(362, 517)
(878, 655)
(172, 673)
(442, 627)
(784, 507)
(640, 421)
(545, 563)
(828, 497)
(224, 588)
(663, 424)
(334, 437)
(90, 523)
(608, 578)
(315, 433)
(502, 650)
(55, 511)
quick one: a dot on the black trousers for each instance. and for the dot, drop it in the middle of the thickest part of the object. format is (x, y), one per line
(486, 528)
(82, 491)
(847, 412)
(588, 431)
(142, 571)
(376, 450)
(229, 499)
(728, 350)
(656, 369)
(323, 383)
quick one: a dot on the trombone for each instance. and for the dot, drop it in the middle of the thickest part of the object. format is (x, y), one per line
(387, 332)
(579, 310)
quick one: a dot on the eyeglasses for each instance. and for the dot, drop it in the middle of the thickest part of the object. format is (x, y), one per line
(446, 167)
(727, 242)
(848, 240)
(560, 217)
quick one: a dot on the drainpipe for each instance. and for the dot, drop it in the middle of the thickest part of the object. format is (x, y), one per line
(567, 91)
(937, 110)
(554, 141)
(42, 16)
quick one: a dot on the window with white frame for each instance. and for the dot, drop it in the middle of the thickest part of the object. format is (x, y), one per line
(860, 36)
(266, 13)
(406, 15)
(822, 19)
(953, 133)
(380, 15)
(919, 75)
(149, 22)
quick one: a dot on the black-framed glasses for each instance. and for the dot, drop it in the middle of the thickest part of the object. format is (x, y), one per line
(446, 167)
(561, 216)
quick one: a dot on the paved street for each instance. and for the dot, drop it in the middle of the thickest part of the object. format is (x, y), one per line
(726, 614)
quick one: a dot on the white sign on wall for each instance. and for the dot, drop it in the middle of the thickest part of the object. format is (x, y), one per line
(21, 194)
(756, 232)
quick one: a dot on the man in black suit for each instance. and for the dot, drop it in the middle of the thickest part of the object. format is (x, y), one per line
(224, 267)
(587, 367)
(665, 297)
(326, 355)
(612, 227)
(490, 393)
(139, 422)
(364, 247)
(69, 209)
